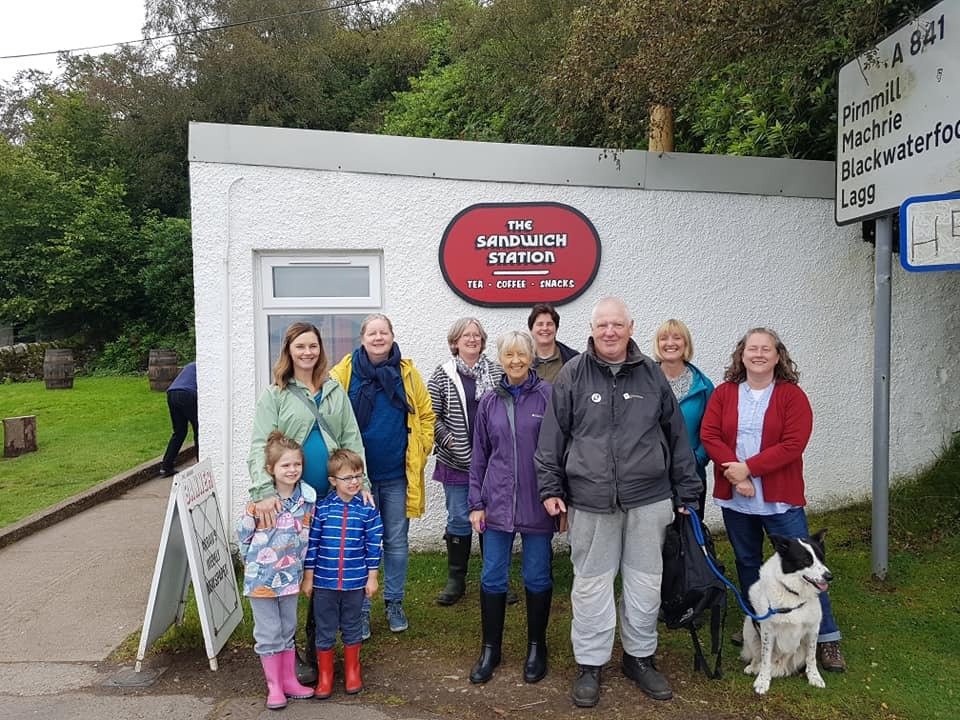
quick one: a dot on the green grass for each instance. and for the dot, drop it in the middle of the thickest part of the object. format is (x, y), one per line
(101, 427)
(900, 635)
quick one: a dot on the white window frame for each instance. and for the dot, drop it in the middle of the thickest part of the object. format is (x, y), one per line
(372, 261)
(268, 305)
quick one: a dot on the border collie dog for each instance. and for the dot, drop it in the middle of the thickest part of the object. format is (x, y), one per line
(786, 642)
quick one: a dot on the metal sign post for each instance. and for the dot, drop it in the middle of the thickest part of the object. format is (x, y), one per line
(883, 265)
(898, 134)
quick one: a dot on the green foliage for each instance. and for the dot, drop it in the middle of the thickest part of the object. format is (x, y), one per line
(130, 352)
(167, 273)
(436, 106)
(487, 74)
(85, 435)
(729, 117)
(63, 227)
(624, 55)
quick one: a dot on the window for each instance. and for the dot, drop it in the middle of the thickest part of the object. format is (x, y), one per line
(334, 292)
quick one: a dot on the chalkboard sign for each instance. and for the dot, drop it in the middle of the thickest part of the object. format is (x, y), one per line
(193, 548)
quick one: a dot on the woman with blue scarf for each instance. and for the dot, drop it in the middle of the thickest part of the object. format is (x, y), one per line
(396, 419)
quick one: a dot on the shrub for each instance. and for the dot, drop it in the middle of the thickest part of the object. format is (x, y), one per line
(130, 352)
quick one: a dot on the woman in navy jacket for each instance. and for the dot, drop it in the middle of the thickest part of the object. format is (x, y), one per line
(504, 499)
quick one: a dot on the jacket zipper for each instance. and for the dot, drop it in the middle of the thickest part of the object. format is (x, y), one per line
(343, 544)
(516, 478)
(613, 453)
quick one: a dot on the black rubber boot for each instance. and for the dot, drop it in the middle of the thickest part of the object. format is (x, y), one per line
(458, 557)
(493, 609)
(538, 614)
(306, 665)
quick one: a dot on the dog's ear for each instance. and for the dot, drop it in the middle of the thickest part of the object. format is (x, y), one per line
(816, 542)
(780, 544)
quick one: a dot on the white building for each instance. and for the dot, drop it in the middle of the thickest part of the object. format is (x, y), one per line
(723, 243)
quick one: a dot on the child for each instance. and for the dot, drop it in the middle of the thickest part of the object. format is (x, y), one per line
(273, 570)
(340, 568)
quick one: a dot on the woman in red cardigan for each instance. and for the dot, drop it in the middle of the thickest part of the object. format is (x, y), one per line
(755, 429)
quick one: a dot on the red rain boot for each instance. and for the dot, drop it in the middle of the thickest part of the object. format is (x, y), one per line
(273, 671)
(324, 674)
(351, 669)
(291, 686)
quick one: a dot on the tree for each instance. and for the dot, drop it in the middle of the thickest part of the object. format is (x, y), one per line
(487, 74)
(624, 55)
(66, 237)
(167, 273)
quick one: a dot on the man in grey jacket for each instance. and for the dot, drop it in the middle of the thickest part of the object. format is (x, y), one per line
(614, 455)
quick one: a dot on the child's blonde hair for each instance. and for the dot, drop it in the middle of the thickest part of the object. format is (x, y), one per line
(343, 459)
(277, 444)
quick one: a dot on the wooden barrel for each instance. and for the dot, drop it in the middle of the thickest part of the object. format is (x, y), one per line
(58, 369)
(162, 369)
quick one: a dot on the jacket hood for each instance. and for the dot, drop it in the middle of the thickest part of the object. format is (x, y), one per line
(531, 384)
(701, 383)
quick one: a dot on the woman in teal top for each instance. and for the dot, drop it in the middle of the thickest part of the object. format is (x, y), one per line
(304, 404)
(673, 350)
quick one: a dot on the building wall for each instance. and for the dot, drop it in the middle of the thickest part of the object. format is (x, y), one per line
(721, 261)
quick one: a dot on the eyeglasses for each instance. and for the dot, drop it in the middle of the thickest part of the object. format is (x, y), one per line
(352, 479)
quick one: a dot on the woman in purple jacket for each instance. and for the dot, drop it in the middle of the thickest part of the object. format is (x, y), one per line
(504, 500)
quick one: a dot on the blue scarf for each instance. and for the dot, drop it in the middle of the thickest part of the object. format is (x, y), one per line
(385, 375)
(514, 390)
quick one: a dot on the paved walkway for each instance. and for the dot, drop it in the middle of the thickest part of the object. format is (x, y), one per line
(72, 589)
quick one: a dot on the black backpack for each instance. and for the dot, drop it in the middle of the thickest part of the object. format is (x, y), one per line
(690, 588)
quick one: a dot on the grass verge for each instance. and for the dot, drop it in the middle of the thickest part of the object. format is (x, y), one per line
(99, 428)
(900, 634)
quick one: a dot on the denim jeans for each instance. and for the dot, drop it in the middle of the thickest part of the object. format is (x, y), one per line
(337, 610)
(390, 497)
(535, 566)
(458, 516)
(745, 533)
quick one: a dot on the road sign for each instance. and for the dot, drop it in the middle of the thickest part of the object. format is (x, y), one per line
(193, 547)
(930, 233)
(898, 118)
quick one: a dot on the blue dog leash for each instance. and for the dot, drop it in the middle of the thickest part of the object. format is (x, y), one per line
(698, 534)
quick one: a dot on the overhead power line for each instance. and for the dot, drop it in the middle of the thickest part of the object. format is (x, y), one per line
(182, 33)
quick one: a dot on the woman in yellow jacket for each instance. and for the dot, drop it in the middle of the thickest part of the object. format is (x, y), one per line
(395, 416)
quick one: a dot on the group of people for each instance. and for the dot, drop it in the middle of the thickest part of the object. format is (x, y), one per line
(606, 445)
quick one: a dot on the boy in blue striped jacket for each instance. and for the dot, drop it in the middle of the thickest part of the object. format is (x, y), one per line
(341, 567)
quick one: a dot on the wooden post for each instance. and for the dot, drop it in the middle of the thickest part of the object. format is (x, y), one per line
(661, 129)
(19, 435)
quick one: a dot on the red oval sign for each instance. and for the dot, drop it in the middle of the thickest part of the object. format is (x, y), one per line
(519, 254)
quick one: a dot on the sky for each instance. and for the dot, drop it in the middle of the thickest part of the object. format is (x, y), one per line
(30, 26)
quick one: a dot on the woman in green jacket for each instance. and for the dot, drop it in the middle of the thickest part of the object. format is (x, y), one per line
(305, 404)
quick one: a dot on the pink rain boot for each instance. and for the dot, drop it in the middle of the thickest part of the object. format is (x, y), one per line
(291, 686)
(273, 671)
